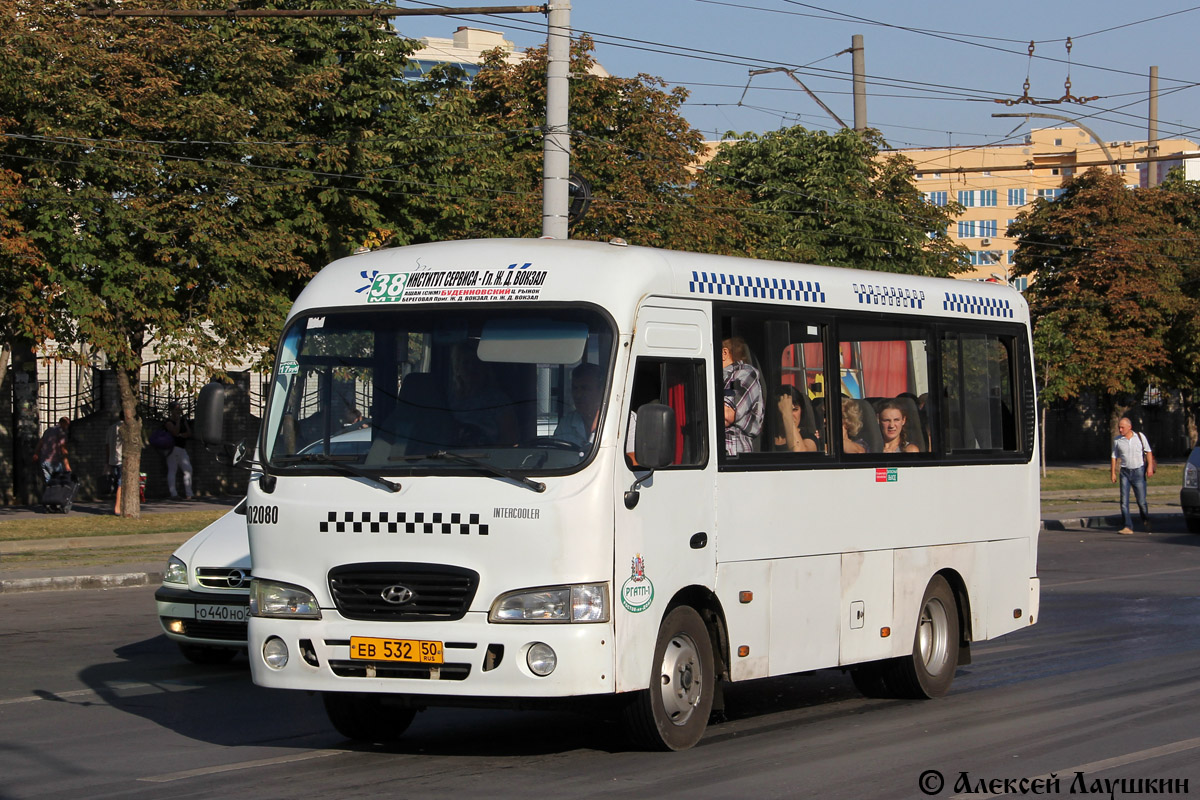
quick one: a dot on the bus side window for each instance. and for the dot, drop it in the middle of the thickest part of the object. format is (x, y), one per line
(979, 398)
(678, 383)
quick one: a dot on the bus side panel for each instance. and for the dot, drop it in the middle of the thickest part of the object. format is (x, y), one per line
(804, 613)
(866, 608)
(1008, 595)
(749, 623)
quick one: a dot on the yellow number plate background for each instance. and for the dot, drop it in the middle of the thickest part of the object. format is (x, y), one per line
(370, 649)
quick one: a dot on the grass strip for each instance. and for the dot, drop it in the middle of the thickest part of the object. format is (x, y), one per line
(1076, 478)
(61, 526)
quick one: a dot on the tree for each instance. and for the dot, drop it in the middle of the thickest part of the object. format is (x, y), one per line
(182, 178)
(629, 141)
(832, 199)
(1105, 283)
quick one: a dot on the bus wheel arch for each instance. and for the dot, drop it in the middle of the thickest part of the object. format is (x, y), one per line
(929, 670)
(673, 712)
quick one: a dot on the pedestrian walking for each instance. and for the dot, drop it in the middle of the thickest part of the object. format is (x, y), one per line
(113, 445)
(1134, 461)
(51, 453)
(177, 459)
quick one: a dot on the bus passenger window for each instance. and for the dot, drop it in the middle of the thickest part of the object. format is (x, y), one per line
(979, 398)
(677, 383)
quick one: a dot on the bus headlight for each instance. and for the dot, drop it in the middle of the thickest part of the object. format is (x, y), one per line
(176, 571)
(580, 603)
(282, 600)
(1191, 476)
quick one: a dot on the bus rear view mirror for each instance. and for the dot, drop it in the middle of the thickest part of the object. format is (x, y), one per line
(654, 441)
(210, 414)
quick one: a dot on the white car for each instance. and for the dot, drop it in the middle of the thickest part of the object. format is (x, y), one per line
(1189, 493)
(204, 601)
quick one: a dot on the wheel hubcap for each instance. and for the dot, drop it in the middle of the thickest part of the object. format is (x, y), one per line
(682, 679)
(933, 635)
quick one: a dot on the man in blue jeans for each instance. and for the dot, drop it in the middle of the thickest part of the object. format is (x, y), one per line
(1132, 456)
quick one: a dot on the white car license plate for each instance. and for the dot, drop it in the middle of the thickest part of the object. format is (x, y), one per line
(223, 613)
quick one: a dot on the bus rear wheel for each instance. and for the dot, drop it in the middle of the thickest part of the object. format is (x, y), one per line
(929, 671)
(367, 718)
(673, 713)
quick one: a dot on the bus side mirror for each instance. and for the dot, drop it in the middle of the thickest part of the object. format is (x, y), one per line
(654, 442)
(210, 414)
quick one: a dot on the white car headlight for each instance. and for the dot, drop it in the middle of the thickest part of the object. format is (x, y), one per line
(176, 571)
(1191, 476)
(282, 600)
(580, 603)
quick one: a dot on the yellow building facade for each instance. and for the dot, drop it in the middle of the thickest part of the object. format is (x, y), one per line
(995, 183)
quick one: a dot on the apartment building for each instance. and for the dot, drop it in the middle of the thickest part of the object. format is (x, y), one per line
(465, 49)
(996, 182)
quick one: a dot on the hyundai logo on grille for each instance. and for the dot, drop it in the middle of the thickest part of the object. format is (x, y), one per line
(236, 579)
(397, 595)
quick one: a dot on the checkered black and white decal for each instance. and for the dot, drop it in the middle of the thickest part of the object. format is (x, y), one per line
(754, 286)
(403, 522)
(984, 306)
(870, 294)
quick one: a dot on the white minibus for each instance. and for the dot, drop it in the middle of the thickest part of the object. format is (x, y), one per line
(616, 478)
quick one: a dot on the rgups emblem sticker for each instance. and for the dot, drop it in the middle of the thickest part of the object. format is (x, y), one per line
(638, 591)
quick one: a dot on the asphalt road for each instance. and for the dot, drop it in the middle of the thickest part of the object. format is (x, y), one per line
(95, 704)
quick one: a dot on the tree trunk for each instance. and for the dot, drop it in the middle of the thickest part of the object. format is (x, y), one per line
(131, 438)
(27, 477)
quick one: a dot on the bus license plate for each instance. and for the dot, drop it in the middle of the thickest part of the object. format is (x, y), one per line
(223, 613)
(368, 649)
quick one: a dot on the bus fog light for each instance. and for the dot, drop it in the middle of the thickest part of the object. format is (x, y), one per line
(541, 659)
(275, 653)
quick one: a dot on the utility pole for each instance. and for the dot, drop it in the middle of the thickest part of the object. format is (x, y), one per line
(858, 59)
(1152, 130)
(556, 147)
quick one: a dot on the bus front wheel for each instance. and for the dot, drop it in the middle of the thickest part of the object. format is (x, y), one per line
(673, 713)
(367, 717)
(930, 669)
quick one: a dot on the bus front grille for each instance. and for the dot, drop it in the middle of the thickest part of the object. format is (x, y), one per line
(391, 592)
(384, 669)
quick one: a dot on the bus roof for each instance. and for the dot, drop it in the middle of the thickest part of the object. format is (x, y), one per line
(616, 276)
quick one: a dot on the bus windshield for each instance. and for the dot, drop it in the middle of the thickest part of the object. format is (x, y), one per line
(403, 391)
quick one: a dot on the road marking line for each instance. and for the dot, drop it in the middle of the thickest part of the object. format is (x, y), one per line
(117, 687)
(1106, 764)
(1047, 585)
(262, 762)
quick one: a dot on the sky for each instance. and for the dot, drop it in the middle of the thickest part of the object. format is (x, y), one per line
(934, 68)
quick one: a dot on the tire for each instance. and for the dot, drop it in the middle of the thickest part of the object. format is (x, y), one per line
(673, 713)
(367, 718)
(207, 656)
(930, 669)
(1193, 524)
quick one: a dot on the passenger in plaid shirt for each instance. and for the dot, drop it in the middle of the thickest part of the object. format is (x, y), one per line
(743, 398)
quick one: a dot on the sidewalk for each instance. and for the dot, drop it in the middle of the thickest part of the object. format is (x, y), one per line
(1089, 509)
(123, 571)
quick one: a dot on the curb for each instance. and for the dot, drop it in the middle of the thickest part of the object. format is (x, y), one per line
(68, 582)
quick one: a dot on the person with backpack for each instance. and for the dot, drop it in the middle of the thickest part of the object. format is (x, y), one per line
(1132, 457)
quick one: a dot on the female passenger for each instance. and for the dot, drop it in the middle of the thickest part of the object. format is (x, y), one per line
(791, 408)
(891, 424)
(852, 423)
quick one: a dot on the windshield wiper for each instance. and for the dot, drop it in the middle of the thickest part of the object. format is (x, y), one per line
(335, 463)
(474, 460)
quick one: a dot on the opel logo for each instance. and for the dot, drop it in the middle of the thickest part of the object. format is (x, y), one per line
(397, 595)
(236, 578)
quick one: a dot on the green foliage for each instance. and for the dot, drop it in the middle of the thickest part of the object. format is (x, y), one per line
(1110, 270)
(629, 141)
(831, 199)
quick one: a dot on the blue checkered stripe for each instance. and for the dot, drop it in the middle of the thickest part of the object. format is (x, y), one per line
(870, 294)
(403, 522)
(755, 286)
(984, 306)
